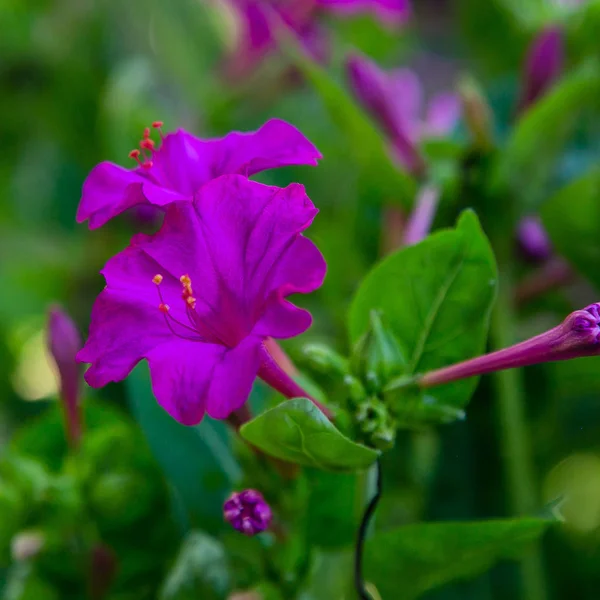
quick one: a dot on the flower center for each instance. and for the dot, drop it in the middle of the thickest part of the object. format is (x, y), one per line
(192, 330)
(143, 157)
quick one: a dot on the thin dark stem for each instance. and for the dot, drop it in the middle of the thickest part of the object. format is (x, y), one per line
(359, 582)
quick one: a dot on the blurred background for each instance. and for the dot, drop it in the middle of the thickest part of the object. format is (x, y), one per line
(79, 81)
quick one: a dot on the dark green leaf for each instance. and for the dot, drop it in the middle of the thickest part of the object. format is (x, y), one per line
(334, 503)
(406, 562)
(436, 297)
(529, 159)
(572, 218)
(196, 460)
(297, 431)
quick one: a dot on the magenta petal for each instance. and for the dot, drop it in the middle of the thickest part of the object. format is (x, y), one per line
(232, 378)
(122, 331)
(181, 373)
(126, 323)
(110, 189)
(275, 144)
(107, 191)
(300, 270)
(442, 115)
(281, 320)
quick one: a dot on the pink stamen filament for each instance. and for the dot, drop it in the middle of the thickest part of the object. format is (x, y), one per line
(168, 318)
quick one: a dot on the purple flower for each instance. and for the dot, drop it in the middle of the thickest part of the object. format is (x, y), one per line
(394, 12)
(183, 163)
(64, 342)
(395, 100)
(199, 298)
(533, 239)
(248, 512)
(258, 21)
(578, 335)
(257, 28)
(543, 65)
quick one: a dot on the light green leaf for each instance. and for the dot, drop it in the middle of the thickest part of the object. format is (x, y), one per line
(572, 218)
(436, 297)
(297, 431)
(411, 560)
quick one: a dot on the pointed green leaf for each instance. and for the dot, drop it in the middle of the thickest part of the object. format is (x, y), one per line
(297, 431)
(529, 159)
(411, 560)
(436, 297)
(571, 218)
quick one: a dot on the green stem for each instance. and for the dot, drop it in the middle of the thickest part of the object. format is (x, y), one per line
(514, 434)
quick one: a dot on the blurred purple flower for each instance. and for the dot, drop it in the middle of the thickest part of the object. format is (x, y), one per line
(184, 163)
(543, 65)
(578, 335)
(248, 512)
(533, 239)
(198, 299)
(389, 12)
(64, 342)
(395, 100)
(257, 23)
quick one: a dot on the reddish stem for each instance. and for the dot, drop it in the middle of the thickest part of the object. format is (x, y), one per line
(272, 374)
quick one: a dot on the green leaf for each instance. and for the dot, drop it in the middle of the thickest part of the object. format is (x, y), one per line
(413, 559)
(297, 431)
(572, 217)
(528, 161)
(436, 297)
(335, 502)
(200, 570)
(197, 461)
(368, 146)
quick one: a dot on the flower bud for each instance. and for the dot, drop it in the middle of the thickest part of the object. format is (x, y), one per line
(377, 355)
(64, 342)
(533, 239)
(375, 423)
(578, 335)
(477, 113)
(325, 360)
(248, 512)
(355, 390)
(543, 65)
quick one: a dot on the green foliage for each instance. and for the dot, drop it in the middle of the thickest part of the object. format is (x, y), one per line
(529, 159)
(369, 150)
(571, 217)
(430, 294)
(200, 570)
(411, 560)
(197, 461)
(297, 431)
